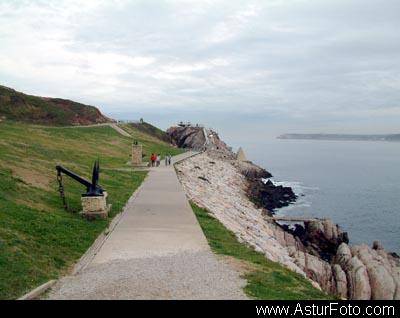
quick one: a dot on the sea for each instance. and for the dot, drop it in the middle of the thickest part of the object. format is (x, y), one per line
(355, 183)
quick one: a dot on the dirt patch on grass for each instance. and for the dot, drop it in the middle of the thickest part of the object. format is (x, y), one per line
(31, 177)
(116, 142)
(239, 265)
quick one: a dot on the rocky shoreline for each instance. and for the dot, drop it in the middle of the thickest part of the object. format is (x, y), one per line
(233, 191)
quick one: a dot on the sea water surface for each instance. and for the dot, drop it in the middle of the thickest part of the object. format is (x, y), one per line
(355, 183)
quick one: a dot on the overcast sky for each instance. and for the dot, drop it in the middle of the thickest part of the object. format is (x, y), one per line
(264, 67)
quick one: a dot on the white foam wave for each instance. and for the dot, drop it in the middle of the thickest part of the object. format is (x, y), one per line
(303, 202)
(298, 187)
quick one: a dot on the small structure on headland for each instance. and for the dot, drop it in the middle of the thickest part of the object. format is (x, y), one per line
(187, 124)
(240, 156)
(137, 151)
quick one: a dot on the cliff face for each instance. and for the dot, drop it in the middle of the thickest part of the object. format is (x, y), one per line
(318, 250)
(200, 138)
(48, 111)
(187, 137)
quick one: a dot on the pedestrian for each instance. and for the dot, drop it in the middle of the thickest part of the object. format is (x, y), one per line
(169, 159)
(153, 159)
(166, 160)
(158, 160)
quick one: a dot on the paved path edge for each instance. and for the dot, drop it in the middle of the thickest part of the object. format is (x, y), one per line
(38, 291)
(91, 252)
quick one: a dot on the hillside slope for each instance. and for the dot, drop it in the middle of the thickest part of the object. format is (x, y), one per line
(39, 240)
(49, 111)
(151, 130)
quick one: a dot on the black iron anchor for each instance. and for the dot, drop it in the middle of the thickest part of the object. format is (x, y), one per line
(93, 189)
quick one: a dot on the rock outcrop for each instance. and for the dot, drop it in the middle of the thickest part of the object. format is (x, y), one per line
(250, 170)
(372, 274)
(187, 137)
(321, 237)
(268, 195)
(358, 282)
(200, 138)
(318, 250)
(340, 281)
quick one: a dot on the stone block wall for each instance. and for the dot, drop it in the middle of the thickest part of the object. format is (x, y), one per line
(137, 155)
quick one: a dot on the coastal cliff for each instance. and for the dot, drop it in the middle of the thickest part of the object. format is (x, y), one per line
(317, 249)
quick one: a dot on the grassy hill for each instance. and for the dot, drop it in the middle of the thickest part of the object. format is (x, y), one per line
(149, 129)
(39, 240)
(50, 111)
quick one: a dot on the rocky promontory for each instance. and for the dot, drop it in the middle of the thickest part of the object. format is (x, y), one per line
(316, 249)
(263, 193)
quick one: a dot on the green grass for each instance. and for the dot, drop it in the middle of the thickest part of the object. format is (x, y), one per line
(265, 279)
(39, 240)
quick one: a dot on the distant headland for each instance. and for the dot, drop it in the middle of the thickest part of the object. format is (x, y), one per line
(345, 137)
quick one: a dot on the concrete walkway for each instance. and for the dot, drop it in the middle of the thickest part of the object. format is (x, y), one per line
(156, 251)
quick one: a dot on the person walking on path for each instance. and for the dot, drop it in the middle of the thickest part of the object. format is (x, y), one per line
(169, 159)
(166, 160)
(153, 159)
(158, 160)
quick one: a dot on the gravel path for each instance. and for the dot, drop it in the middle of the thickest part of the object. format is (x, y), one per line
(156, 251)
(182, 276)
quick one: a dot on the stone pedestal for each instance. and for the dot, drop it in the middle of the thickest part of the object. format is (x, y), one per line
(95, 207)
(136, 155)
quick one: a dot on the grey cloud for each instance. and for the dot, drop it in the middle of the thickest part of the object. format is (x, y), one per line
(301, 63)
